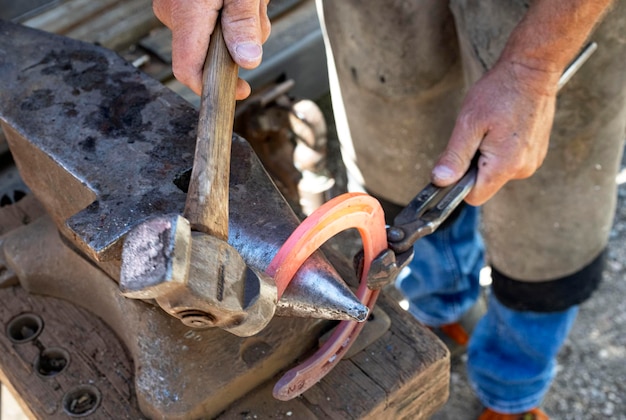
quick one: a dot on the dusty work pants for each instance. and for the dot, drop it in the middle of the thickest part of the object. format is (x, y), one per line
(398, 70)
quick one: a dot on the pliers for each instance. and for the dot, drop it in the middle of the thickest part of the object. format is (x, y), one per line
(421, 217)
(431, 206)
(427, 211)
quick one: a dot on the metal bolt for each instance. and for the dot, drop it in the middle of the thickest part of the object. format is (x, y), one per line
(197, 319)
(395, 234)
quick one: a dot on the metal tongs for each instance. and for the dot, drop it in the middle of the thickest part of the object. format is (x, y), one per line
(432, 206)
(428, 210)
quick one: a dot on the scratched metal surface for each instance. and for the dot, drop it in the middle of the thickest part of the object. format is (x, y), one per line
(104, 147)
(121, 134)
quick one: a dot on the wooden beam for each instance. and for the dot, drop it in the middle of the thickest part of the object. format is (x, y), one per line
(69, 15)
(118, 27)
(404, 374)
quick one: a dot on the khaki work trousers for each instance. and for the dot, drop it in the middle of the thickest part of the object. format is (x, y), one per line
(398, 72)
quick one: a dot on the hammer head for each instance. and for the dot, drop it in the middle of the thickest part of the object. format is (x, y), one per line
(195, 277)
(156, 257)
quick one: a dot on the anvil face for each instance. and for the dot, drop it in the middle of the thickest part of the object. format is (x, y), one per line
(99, 142)
(104, 147)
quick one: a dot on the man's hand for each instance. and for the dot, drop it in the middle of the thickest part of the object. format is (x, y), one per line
(245, 25)
(506, 117)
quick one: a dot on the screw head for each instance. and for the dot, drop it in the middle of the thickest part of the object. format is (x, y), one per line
(197, 319)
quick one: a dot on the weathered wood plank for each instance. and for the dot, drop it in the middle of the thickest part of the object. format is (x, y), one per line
(159, 42)
(114, 24)
(97, 359)
(69, 15)
(18, 11)
(404, 374)
(345, 393)
(260, 404)
(118, 27)
(410, 364)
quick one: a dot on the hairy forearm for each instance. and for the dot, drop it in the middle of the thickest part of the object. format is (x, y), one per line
(552, 33)
(507, 115)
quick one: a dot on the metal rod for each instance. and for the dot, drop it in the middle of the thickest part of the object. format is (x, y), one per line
(577, 63)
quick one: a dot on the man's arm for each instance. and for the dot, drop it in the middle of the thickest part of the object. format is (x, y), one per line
(507, 115)
(245, 26)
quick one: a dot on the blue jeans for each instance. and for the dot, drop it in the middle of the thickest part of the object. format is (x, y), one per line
(511, 354)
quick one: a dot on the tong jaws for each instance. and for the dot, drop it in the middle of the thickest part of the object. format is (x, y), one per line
(427, 211)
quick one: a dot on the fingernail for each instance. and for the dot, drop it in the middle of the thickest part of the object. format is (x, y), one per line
(442, 173)
(249, 51)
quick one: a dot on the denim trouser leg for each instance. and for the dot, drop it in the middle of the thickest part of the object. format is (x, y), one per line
(441, 283)
(512, 355)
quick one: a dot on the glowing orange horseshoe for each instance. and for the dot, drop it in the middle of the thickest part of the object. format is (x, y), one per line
(351, 210)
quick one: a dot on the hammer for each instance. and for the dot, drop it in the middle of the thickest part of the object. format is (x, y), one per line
(185, 263)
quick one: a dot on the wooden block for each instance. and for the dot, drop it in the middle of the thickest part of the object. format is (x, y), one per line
(405, 374)
(118, 27)
(70, 14)
(97, 365)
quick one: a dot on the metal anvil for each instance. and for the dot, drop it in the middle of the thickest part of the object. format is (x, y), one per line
(104, 147)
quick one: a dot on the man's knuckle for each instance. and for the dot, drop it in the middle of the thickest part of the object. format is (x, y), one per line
(241, 11)
(466, 121)
(180, 72)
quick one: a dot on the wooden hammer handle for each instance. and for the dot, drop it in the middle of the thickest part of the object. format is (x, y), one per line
(206, 207)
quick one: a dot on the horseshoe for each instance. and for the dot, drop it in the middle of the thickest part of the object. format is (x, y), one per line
(351, 210)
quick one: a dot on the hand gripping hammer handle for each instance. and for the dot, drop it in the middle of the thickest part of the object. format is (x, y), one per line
(206, 207)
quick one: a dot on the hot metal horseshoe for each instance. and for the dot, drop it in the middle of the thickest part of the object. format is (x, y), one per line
(351, 210)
